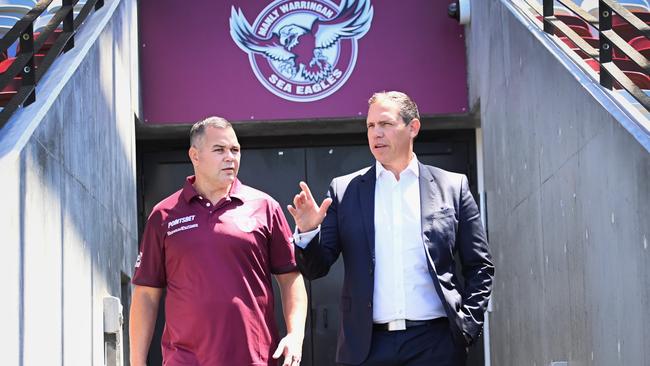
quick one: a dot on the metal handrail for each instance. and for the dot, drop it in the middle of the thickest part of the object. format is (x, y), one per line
(608, 38)
(23, 65)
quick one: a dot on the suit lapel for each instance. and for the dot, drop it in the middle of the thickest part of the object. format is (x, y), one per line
(367, 203)
(426, 197)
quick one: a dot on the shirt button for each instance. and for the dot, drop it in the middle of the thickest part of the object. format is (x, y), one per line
(207, 204)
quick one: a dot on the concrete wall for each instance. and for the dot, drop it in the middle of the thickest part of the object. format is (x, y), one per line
(568, 198)
(68, 193)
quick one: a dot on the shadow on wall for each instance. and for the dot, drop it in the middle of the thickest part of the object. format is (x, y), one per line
(77, 211)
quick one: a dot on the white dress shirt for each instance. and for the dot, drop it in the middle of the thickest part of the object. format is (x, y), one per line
(403, 285)
(400, 259)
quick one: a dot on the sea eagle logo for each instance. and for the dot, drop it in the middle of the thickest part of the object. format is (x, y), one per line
(303, 51)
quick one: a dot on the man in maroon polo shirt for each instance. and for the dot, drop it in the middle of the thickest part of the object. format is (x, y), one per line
(214, 245)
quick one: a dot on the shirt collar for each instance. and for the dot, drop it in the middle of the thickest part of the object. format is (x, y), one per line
(412, 167)
(189, 192)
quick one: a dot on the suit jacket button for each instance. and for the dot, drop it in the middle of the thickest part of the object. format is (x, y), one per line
(369, 304)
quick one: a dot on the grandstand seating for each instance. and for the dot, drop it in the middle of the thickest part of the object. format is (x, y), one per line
(593, 64)
(593, 42)
(640, 43)
(641, 79)
(56, 5)
(12, 11)
(627, 65)
(590, 34)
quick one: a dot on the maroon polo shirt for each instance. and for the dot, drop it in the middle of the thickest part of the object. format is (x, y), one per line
(216, 262)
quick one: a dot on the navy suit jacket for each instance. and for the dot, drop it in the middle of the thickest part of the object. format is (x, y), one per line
(450, 224)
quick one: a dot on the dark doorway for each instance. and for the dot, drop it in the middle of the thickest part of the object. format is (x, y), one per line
(277, 171)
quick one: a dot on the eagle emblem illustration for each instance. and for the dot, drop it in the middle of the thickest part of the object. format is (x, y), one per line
(301, 41)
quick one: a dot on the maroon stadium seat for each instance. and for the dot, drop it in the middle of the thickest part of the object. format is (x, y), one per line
(593, 64)
(625, 29)
(9, 91)
(645, 52)
(50, 40)
(593, 42)
(640, 79)
(5, 64)
(640, 43)
(644, 16)
(578, 25)
(627, 65)
(573, 20)
(582, 32)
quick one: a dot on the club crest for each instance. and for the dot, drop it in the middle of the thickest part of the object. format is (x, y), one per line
(303, 51)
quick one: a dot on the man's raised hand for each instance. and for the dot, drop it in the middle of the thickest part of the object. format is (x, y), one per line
(306, 213)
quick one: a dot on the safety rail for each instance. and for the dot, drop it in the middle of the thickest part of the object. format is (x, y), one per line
(607, 40)
(30, 64)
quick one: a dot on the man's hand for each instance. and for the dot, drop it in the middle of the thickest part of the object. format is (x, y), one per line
(305, 211)
(291, 348)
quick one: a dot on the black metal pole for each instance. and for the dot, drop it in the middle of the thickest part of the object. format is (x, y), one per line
(28, 73)
(605, 50)
(548, 12)
(68, 25)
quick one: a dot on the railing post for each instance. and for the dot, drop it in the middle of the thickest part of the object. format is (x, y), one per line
(605, 50)
(68, 25)
(28, 73)
(548, 12)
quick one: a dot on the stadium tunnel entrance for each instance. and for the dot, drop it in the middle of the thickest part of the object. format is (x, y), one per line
(275, 164)
(298, 103)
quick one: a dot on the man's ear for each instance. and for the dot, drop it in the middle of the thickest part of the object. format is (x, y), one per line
(414, 127)
(193, 153)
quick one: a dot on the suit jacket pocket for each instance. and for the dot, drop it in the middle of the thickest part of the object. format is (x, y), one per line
(443, 212)
(444, 226)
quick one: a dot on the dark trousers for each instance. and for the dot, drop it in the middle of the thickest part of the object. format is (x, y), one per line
(426, 345)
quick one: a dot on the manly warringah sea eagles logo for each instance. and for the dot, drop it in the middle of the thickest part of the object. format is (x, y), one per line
(303, 50)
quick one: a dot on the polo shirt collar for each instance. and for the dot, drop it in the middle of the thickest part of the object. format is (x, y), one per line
(189, 192)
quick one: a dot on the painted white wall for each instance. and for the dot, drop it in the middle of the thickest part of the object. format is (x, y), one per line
(68, 193)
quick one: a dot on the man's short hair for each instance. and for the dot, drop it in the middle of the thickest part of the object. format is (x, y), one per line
(408, 110)
(198, 129)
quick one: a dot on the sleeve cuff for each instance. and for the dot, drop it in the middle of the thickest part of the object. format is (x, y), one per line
(290, 267)
(303, 239)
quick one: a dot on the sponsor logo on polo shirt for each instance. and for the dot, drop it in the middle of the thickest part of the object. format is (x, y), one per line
(181, 220)
(182, 228)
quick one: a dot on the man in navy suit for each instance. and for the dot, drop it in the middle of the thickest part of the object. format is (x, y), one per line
(400, 226)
